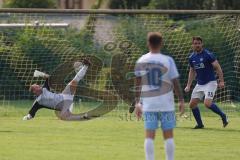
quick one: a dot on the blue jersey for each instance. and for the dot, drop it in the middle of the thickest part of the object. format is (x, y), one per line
(202, 64)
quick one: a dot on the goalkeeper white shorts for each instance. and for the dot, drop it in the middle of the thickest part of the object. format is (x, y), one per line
(66, 103)
(208, 90)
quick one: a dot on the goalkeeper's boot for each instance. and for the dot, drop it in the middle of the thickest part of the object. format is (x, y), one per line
(86, 62)
(27, 117)
(225, 121)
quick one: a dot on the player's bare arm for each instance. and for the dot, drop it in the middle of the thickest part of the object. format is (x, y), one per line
(219, 71)
(179, 94)
(138, 105)
(191, 77)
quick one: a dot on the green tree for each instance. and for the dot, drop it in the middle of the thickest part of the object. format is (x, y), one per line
(176, 4)
(128, 4)
(227, 4)
(194, 4)
(29, 4)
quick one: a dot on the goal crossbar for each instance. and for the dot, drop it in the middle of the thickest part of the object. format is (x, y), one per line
(116, 11)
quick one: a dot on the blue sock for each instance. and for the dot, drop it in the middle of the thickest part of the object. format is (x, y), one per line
(217, 110)
(197, 116)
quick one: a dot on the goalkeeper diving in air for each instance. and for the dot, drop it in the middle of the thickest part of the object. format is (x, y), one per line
(62, 102)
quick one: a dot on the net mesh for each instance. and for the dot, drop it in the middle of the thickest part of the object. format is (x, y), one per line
(113, 43)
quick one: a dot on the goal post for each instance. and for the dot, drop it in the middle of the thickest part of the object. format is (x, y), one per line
(113, 40)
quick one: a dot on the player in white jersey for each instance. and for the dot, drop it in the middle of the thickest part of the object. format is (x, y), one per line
(156, 78)
(62, 102)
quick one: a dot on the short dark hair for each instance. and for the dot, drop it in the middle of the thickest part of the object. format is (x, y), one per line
(154, 39)
(198, 38)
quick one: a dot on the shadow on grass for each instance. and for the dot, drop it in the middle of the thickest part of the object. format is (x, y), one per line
(212, 129)
(5, 131)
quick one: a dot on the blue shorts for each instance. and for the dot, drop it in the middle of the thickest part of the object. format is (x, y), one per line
(167, 120)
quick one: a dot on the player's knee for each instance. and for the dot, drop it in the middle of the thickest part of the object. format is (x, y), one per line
(208, 103)
(168, 134)
(73, 83)
(64, 114)
(151, 137)
(73, 86)
(150, 134)
(192, 105)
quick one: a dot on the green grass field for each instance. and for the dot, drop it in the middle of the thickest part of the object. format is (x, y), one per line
(109, 137)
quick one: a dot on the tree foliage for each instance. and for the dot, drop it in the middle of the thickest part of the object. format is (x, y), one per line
(194, 4)
(175, 4)
(29, 4)
(128, 4)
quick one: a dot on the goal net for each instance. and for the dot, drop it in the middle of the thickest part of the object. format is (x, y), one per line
(52, 42)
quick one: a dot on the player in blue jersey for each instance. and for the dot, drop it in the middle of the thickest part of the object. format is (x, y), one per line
(156, 78)
(202, 66)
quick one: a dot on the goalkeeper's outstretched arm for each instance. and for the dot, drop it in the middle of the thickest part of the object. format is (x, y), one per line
(35, 107)
(46, 84)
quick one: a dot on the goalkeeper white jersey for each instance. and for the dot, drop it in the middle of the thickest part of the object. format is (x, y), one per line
(157, 71)
(50, 99)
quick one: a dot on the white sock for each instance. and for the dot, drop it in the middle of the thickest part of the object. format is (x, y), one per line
(169, 148)
(80, 73)
(149, 149)
(71, 108)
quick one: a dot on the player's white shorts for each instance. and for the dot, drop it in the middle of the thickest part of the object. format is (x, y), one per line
(208, 90)
(67, 102)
